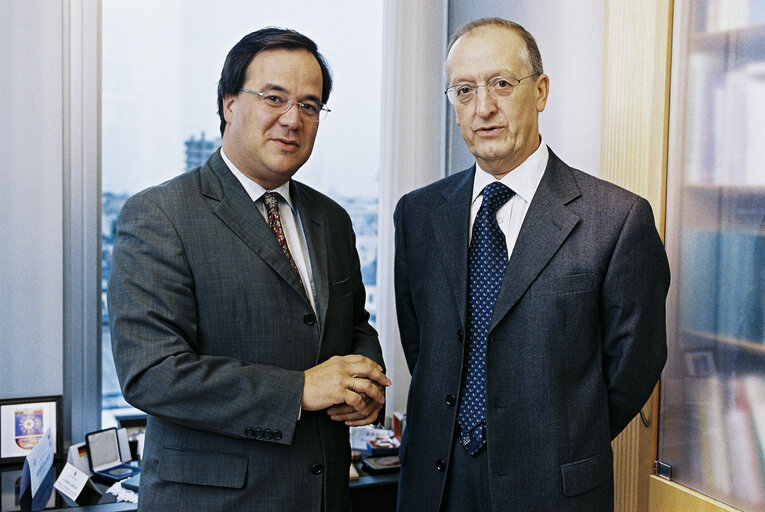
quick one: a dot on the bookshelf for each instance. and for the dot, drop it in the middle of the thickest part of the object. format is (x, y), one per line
(712, 417)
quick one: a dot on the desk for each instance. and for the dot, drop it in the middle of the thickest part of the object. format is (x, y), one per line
(374, 493)
(370, 493)
(106, 507)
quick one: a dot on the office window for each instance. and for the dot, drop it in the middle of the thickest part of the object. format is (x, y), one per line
(160, 67)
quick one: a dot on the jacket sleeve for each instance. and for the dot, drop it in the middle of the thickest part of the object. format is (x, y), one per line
(407, 317)
(634, 316)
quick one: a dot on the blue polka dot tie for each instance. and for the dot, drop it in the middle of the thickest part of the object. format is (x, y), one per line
(488, 260)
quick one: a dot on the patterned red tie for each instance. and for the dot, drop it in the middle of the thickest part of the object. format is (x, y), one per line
(271, 200)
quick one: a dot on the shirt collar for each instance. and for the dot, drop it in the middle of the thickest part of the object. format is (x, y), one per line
(253, 189)
(523, 180)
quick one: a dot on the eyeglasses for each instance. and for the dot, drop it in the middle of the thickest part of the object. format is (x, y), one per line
(312, 110)
(499, 87)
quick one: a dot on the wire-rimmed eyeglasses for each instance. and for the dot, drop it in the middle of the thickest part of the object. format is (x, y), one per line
(499, 87)
(312, 110)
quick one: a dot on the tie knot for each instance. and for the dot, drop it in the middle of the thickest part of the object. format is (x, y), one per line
(495, 195)
(271, 200)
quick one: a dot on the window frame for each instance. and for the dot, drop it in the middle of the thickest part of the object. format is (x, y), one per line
(81, 80)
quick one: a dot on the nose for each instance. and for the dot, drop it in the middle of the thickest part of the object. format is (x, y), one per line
(485, 105)
(291, 116)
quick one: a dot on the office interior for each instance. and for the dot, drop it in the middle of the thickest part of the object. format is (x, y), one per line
(665, 98)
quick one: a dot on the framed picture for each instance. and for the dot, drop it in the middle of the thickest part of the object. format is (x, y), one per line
(10, 499)
(23, 421)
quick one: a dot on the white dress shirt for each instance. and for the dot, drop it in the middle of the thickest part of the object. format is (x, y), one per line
(523, 180)
(290, 217)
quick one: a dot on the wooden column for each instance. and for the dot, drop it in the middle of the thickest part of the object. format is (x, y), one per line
(635, 110)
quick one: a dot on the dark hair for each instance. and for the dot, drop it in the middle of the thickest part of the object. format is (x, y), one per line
(530, 56)
(234, 71)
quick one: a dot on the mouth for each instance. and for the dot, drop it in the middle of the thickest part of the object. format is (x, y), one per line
(286, 144)
(487, 130)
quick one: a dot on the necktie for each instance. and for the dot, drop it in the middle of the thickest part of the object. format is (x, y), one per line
(487, 263)
(271, 200)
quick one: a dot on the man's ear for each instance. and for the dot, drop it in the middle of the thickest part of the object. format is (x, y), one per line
(543, 90)
(228, 107)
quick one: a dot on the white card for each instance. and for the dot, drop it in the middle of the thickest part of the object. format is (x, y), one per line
(71, 481)
(37, 464)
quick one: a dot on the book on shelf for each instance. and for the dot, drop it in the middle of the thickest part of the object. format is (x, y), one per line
(725, 121)
(745, 470)
(706, 400)
(723, 15)
(755, 390)
(723, 284)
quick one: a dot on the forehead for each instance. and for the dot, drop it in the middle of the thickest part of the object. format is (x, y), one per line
(285, 68)
(484, 53)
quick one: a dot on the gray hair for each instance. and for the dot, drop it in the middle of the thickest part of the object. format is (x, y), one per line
(530, 54)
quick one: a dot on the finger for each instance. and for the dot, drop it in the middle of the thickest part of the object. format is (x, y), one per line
(339, 410)
(354, 400)
(344, 412)
(370, 418)
(374, 374)
(370, 389)
(360, 366)
(350, 416)
(363, 361)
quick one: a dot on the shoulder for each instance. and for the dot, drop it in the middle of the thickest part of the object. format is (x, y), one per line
(175, 193)
(438, 192)
(309, 199)
(590, 191)
(444, 186)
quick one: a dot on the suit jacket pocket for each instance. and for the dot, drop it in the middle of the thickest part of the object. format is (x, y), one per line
(342, 288)
(203, 468)
(563, 284)
(587, 474)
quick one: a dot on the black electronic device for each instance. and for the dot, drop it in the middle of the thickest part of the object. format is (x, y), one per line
(104, 457)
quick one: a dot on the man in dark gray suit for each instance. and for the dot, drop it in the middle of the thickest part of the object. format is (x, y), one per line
(237, 307)
(531, 304)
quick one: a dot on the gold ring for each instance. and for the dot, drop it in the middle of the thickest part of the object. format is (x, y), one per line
(354, 385)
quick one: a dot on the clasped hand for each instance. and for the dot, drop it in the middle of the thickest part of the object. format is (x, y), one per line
(352, 387)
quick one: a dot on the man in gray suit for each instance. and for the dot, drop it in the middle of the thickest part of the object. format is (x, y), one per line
(237, 307)
(531, 304)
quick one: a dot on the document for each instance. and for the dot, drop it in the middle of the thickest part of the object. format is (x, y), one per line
(37, 464)
(71, 481)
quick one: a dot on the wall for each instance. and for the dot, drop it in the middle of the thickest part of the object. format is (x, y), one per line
(31, 199)
(569, 34)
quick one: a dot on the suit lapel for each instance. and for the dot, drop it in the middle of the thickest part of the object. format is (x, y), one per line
(236, 209)
(451, 222)
(314, 226)
(547, 224)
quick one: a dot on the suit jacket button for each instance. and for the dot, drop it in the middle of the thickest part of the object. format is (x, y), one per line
(451, 400)
(316, 469)
(460, 336)
(278, 435)
(249, 432)
(258, 433)
(268, 434)
(440, 465)
(309, 319)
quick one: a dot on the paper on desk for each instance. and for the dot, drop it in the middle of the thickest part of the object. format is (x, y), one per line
(37, 464)
(71, 481)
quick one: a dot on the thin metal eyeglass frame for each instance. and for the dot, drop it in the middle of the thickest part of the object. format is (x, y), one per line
(323, 110)
(491, 92)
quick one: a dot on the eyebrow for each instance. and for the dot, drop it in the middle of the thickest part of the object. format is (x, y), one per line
(279, 88)
(494, 75)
